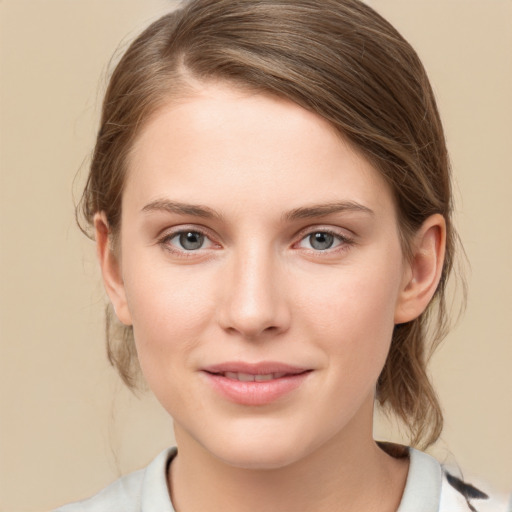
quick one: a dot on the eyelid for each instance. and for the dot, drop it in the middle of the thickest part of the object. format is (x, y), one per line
(322, 228)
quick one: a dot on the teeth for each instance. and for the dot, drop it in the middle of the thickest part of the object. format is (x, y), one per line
(261, 378)
(247, 377)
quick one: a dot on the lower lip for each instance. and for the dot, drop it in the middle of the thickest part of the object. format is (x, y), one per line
(255, 393)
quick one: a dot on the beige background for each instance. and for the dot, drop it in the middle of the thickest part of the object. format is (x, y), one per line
(67, 425)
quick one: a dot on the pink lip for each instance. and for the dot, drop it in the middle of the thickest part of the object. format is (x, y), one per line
(255, 392)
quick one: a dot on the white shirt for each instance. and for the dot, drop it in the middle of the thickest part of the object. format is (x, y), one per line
(427, 489)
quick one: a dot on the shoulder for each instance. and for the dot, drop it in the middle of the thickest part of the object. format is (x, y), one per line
(458, 495)
(430, 486)
(123, 494)
(141, 490)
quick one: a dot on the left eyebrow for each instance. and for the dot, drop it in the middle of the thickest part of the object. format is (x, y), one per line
(321, 210)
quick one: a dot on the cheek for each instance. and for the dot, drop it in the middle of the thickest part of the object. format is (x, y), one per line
(170, 314)
(169, 307)
(353, 316)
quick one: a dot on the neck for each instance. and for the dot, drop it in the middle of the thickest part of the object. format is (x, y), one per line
(348, 473)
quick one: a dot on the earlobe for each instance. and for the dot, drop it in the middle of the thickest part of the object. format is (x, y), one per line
(110, 268)
(423, 271)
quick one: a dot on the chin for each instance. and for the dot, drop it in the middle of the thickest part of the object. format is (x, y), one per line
(260, 458)
(260, 450)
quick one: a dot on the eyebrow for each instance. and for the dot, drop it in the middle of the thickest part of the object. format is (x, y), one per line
(321, 210)
(196, 210)
(303, 212)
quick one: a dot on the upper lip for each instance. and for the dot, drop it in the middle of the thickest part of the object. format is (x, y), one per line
(261, 368)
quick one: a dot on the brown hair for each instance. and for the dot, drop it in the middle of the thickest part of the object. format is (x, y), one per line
(337, 58)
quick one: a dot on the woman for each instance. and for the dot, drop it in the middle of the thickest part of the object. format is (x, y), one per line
(270, 197)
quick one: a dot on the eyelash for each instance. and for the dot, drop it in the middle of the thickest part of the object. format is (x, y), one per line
(344, 241)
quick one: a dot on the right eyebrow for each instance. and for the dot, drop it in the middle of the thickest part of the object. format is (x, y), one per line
(195, 210)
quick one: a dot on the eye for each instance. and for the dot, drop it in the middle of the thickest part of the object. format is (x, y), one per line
(187, 240)
(190, 240)
(322, 241)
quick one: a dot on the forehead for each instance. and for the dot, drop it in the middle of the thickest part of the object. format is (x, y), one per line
(252, 147)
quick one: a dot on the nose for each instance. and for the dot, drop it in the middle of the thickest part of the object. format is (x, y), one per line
(254, 302)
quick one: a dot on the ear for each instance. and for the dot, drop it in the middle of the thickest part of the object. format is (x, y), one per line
(111, 268)
(423, 271)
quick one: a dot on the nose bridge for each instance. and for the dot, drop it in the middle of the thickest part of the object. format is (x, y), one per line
(254, 301)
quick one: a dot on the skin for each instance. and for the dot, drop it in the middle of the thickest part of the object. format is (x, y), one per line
(258, 290)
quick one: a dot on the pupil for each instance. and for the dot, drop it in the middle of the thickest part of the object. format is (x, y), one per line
(191, 240)
(321, 241)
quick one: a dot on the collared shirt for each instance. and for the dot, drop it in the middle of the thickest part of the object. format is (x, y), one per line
(429, 488)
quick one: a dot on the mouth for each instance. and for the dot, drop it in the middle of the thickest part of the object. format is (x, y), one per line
(255, 384)
(249, 377)
(263, 368)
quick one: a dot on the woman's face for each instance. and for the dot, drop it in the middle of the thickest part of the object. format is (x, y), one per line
(262, 271)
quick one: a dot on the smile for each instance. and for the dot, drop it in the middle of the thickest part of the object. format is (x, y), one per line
(255, 384)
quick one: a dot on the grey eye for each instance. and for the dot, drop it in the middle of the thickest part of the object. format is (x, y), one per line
(321, 241)
(191, 240)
